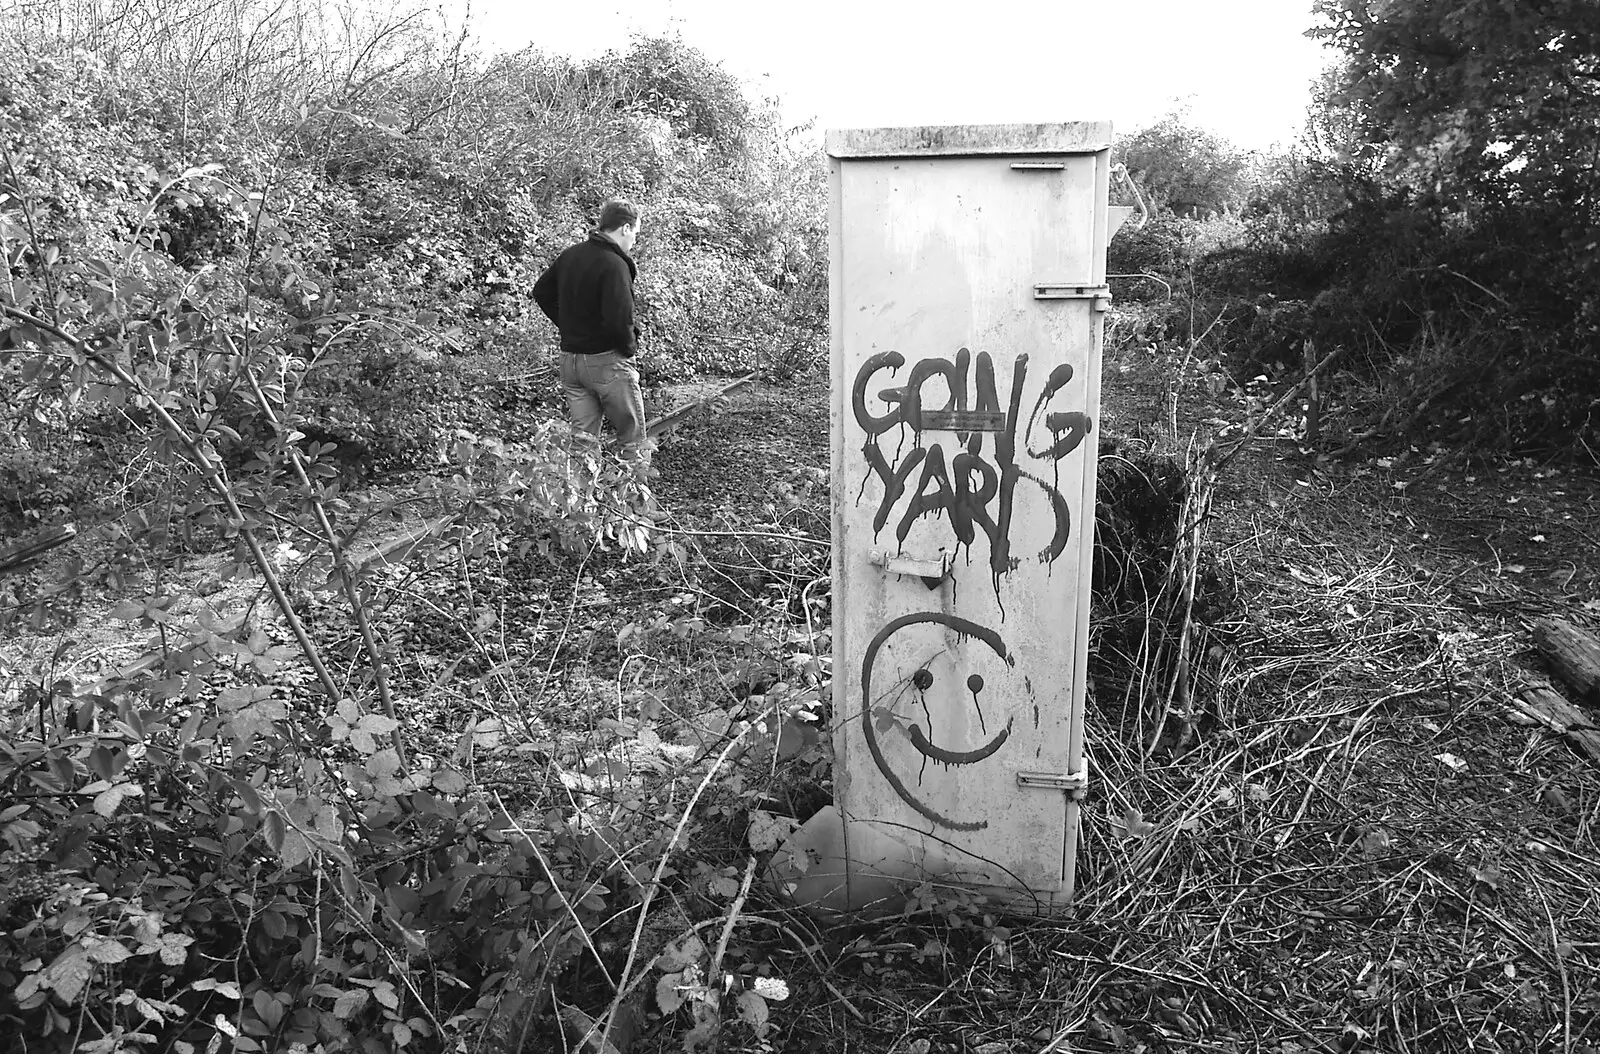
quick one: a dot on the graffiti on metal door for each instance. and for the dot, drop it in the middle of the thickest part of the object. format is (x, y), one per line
(907, 662)
(980, 482)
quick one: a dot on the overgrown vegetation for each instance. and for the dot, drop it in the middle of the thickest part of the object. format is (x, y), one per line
(280, 253)
(377, 199)
(426, 729)
(1436, 225)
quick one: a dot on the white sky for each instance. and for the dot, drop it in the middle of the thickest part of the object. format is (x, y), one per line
(1242, 66)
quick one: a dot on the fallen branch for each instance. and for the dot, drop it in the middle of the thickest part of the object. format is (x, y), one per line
(1574, 653)
(673, 418)
(1538, 700)
(17, 555)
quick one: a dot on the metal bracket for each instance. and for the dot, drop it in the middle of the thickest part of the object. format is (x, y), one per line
(934, 569)
(962, 421)
(1098, 295)
(1076, 784)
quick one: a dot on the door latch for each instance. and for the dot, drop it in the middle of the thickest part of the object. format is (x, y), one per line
(931, 571)
(1099, 296)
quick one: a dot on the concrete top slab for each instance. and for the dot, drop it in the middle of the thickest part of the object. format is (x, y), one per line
(970, 140)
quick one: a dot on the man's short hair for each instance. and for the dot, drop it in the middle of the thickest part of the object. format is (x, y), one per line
(618, 213)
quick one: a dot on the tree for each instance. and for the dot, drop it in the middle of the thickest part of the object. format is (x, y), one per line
(1493, 99)
(676, 81)
(1186, 169)
(1471, 244)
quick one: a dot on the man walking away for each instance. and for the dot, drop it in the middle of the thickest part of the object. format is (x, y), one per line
(588, 294)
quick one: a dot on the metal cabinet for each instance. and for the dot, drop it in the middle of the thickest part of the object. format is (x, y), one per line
(968, 293)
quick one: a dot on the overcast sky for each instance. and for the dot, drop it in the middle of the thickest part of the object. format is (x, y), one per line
(1242, 66)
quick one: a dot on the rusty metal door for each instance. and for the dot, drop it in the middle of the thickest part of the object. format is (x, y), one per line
(968, 269)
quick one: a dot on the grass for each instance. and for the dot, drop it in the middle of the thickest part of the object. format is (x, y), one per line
(1316, 826)
(1357, 846)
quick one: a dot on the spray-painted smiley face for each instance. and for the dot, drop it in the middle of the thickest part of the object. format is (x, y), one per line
(906, 662)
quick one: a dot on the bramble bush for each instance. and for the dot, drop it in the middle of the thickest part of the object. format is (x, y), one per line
(414, 182)
(245, 839)
(1437, 226)
(228, 845)
(1450, 326)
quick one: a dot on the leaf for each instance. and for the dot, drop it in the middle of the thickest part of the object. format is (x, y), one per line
(377, 724)
(273, 829)
(687, 950)
(173, 949)
(350, 1003)
(584, 1025)
(385, 994)
(107, 801)
(102, 763)
(385, 762)
(275, 924)
(296, 849)
(247, 794)
(150, 1012)
(794, 737)
(768, 831)
(1131, 825)
(487, 733)
(226, 989)
(102, 951)
(1312, 578)
(402, 1034)
(772, 989)
(668, 996)
(268, 1009)
(449, 781)
(69, 973)
(752, 1011)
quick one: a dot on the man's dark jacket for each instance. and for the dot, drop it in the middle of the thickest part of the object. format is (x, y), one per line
(588, 294)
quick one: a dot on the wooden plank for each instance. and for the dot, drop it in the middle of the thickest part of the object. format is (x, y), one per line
(394, 551)
(1540, 701)
(15, 555)
(668, 421)
(1574, 653)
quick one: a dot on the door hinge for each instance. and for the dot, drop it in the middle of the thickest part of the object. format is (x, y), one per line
(1076, 784)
